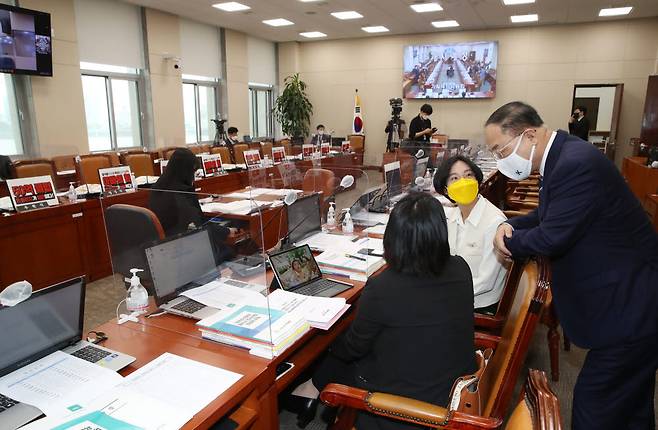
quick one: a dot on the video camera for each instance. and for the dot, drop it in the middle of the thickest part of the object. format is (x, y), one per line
(396, 107)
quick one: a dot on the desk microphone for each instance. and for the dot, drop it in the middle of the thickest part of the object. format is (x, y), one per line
(420, 154)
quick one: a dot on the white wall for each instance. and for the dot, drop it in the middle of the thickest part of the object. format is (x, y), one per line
(606, 96)
(261, 56)
(539, 65)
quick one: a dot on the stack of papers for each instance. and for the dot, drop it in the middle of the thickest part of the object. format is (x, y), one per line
(88, 189)
(376, 229)
(365, 255)
(323, 241)
(240, 207)
(143, 180)
(149, 398)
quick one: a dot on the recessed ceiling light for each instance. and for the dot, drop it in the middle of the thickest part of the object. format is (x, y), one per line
(445, 24)
(348, 14)
(308, 1)
(426, 7)
(231, 6)
(524, 18)
(375, 29)
(312, 34)
(615, 11)
(278, 22)
(514, 2)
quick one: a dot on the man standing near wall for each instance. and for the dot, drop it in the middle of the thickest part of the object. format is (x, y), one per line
(604, 262)
(579, 124)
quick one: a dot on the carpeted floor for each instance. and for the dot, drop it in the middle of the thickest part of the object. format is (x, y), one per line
(103, 296)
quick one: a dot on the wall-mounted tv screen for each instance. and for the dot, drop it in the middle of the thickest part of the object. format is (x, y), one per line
(450, 71)
(25, 44)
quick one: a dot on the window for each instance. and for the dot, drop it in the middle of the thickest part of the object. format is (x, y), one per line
(260, 111)
(11, 142)
(112, 107)
(199, 108)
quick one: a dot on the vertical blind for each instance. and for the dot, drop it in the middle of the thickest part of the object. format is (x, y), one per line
(261, 55)
(200, 50)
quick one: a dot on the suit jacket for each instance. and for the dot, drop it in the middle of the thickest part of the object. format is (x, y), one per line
(603, 249)
(580, 128)
(412, 336)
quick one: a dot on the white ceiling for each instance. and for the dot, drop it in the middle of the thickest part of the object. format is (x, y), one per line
(394, 14)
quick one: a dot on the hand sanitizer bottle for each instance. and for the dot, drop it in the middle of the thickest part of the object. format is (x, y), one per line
(348, 225)
(331, 214)
(428, 179)
(72, 194)
(137, 299)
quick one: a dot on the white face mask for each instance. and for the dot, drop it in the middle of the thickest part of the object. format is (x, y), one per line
(514, 166)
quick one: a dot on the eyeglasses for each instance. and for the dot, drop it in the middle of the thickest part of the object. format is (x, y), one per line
(498, 153)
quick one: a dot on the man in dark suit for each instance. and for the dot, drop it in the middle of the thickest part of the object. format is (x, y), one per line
(231, 140)
(579, 124)
(604, 258)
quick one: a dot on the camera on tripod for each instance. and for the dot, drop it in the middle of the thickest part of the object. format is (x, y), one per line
(220, 133)
(396, 107)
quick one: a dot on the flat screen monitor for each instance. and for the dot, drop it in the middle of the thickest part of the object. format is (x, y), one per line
(393, 180)
(179, 261)
(295, 267)
(464, 70)
(51, 319)
(25, 41)
(421, 167)
(304, 217)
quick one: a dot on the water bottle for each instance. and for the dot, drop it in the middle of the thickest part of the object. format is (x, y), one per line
(428, 179)
(348, 225)
(137, 298)
(331, 214)
(72, 194)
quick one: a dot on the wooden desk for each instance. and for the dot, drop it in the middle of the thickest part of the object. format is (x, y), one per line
(641, 179)
(147, 343)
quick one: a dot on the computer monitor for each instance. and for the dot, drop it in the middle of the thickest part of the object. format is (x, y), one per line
(178, 261)
(421, 167)
(50, 320)
(295, 267)
(393, 180)
(304, 217)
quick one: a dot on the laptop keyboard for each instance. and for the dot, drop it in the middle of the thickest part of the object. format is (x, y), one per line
(320, 286)
(6, 403)
(91, 354)
(189, 306)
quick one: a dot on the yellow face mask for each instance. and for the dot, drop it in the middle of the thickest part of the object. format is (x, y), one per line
(463, 191)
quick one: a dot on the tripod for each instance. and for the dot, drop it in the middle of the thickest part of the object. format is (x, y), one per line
(220, 132)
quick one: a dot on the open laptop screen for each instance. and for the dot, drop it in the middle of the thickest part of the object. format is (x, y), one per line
(49, 320)
(393, 181)
(304, 217)
(179, 261)
(295, 267)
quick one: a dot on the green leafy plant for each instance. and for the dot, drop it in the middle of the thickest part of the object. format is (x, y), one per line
(293, 109)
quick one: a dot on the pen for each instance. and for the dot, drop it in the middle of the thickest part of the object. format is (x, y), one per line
(355, 257)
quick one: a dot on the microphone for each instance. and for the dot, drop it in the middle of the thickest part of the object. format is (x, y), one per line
(420, 154)
(346, 182)
(420, 183)
(290, 198)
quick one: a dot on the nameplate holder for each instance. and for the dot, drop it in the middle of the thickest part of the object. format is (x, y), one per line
(116, 180)
(36, 192)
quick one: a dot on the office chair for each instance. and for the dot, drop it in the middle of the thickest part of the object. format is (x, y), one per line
(88, 165)
(239, 150)
(130, 229)
(140, 163)
(36, 167)
(320, 180)
(223, 152)
(64, 162)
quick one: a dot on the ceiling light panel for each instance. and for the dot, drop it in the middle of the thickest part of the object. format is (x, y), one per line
(445, 24)
(516, 19)
(312, 34)
(375, 29)
(515, 2)
(231, 6)
(616, 11)
(348, 14)
(278, 22)
(426, 7)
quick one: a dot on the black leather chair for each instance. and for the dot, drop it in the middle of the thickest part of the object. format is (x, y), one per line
(130, 230)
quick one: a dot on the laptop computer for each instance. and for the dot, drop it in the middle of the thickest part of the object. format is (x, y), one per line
(296, 270)
(177, 264)
(50, 320)
(304, 218)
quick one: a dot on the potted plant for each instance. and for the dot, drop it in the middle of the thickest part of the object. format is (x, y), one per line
(293, 109)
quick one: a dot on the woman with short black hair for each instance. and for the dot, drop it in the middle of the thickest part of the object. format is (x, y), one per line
(413, 330)
(472, 226)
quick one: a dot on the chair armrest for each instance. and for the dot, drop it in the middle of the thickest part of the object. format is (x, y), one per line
(484, 340)
(487, 322)
(403, 408)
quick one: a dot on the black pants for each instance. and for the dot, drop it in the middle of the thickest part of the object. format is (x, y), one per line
(615, 387)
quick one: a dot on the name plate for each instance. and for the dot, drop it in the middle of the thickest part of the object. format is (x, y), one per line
(116, 180)
(32, 193)
(278, 154)
(252, 158)
(345, 146)
(212, 164)
(325, 148)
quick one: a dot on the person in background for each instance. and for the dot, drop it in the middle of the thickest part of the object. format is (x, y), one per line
(174, 201)
(424, 294)
(420, 127)
(579, 124)
(231, 140)
(604, 263)
(472, 226)
(320, 136)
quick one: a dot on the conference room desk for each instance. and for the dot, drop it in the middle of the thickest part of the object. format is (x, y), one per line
(241, 402)
(642, 179)
(302, 353)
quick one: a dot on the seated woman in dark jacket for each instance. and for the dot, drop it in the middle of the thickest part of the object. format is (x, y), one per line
(413, 330)
(176, 204)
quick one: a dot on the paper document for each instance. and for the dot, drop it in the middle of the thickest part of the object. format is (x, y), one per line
(376, 229)
(370, 218)
(66, 172)
(225, 298)
(88, 188)
(5, 203)
(322, 241)
(240, 207)
(313, 309)
(56, 383)
(143, 180)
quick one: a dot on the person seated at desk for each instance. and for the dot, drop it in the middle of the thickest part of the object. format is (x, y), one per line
(174, 201)
(413, 330)
(472, 225)
(231, 140)
(320, 136)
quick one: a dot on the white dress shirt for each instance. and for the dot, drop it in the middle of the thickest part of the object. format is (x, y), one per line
(473, 241)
